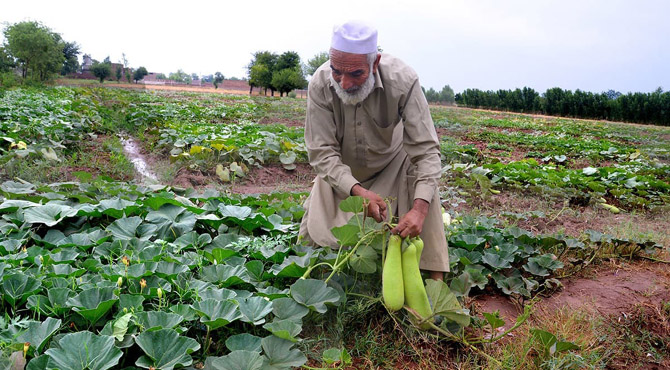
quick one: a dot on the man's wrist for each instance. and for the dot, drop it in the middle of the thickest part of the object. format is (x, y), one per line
(421, 206)
(357, 190)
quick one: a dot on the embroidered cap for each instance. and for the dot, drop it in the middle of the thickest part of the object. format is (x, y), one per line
(354, 37)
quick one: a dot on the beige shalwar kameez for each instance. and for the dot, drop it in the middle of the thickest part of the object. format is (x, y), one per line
(387, 143)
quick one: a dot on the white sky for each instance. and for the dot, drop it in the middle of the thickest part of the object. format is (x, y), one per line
(593, 45)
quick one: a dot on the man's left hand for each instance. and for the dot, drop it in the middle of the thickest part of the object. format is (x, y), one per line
(411, 223)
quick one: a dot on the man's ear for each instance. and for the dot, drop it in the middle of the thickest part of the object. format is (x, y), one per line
(376, 63)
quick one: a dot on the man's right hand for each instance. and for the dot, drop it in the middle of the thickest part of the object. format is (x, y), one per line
(376, 205)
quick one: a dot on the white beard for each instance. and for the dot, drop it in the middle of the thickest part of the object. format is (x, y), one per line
(356, 95)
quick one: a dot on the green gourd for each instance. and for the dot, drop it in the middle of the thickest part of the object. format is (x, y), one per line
(392, 278)
(415, 292)
(418, 243)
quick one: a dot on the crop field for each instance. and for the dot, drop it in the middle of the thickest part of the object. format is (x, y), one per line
(159, 230)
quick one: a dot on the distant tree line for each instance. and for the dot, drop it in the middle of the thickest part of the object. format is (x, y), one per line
(281, 73)
(652, 108)
(444, 96)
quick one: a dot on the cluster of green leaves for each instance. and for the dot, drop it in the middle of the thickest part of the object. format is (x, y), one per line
(545, 145)
(516, 261)
(40, 123)
(105, 266)
(635, 184)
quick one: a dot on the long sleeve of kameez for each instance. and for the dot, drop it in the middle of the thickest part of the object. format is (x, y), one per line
(323, 148)
(421, 143)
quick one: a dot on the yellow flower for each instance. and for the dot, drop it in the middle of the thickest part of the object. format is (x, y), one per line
(119, 281)
(125, 260)
(143, 284)
(159, 292)
(26, 346)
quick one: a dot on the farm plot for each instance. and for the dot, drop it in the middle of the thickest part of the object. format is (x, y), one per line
(155, 276)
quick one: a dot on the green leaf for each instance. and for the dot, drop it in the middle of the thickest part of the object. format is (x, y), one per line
(244, 341)
(285, 329)
(237, 360)
(254, 309)
(496, 261)
(346, 235)
(314, 294)
(37, 333)
(171, 221)
(364, 260)
(288, 309)
(287, 158)
(18, 287)
(48, 214)
(216, 314)
(335, 355)
(151, 320)
(164, 349)
(281, 354)
(92, 304)
(84, 351)
(461, 285)
(225, 275)
(445, 303)
(130, 228)
(352, 204)
(494, 319)
(14, 187)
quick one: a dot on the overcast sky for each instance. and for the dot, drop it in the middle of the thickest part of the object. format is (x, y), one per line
(574, 44)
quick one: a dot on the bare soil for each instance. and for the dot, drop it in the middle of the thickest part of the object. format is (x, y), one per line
(273, 177)
(613, 288)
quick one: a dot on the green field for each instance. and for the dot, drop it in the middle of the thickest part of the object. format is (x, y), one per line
(201, 267)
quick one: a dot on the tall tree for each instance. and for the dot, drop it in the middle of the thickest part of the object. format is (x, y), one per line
(288, 79)
(101, 70)
(218, 78)
(6, 61)
(139, 74)
(71, 54)
(316, 62)
(260, 70)
(37, 50)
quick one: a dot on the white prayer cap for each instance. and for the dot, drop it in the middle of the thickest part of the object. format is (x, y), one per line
(354, 37)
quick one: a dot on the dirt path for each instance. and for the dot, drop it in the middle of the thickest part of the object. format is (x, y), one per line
(614, 289)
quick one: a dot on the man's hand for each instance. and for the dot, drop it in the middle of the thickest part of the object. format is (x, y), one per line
(376, 205)
(411, 223)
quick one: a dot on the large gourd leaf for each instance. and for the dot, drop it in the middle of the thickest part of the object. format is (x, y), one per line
(93, 303)
(237, 360)
(445, 303)
(280, 353)
(314, 294)
(157, 319)
(131, 227)
(254, 309)
(37, 333)
(164, 349)
(171, 221)
(216, 314)
(84, 351)
(225, 275)
(244, 341)
(48, 214)
(288, 309)
(18, 287)
(285, 329)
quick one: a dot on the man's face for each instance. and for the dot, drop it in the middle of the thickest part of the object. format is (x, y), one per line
(350, 71)
(353, 75)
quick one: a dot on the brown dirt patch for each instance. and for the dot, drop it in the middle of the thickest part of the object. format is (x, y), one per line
(273, 177)
(282, 121)
(614, 289)
(187, 178)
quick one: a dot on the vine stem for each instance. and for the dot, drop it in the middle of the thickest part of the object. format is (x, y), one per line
(465, 342)
(339, 264)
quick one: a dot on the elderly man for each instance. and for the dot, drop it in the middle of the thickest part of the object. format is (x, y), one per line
(369, 133)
